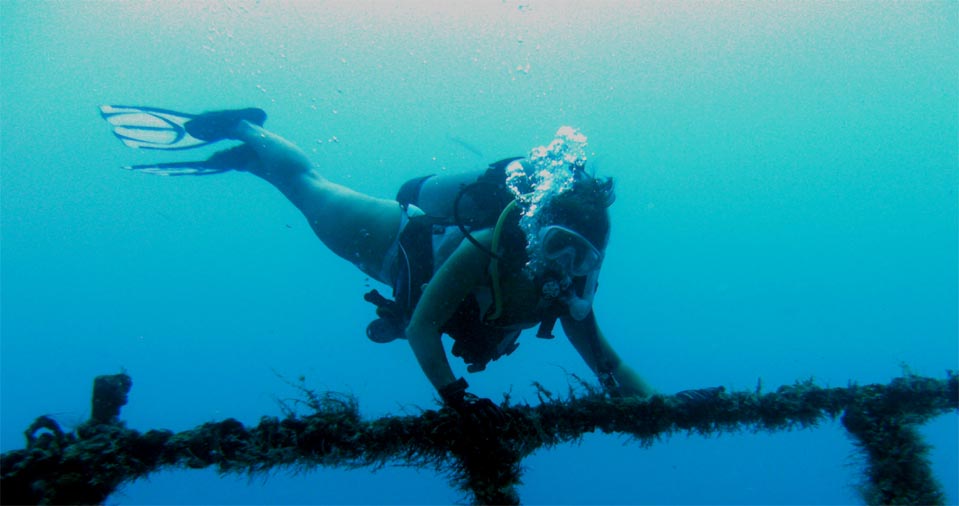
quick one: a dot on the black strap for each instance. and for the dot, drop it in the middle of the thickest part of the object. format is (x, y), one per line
(545, 330)
(416, 262)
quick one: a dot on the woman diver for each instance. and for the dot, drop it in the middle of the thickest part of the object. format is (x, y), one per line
(479, 257)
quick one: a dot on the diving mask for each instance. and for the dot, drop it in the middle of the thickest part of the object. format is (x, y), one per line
(577, 258)
(570, 250)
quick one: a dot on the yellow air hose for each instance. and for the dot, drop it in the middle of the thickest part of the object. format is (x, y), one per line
(494, 263)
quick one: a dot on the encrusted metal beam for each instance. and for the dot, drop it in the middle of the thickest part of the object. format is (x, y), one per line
(86, 466)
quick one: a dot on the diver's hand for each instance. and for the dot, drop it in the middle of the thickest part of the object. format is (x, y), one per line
(477, 410)
(628, 384)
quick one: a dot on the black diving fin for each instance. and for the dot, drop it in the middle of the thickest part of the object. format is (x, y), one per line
(150, 128)
(234, 158)
(163, 129)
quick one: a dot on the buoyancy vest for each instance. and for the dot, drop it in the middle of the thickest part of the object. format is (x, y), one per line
(454, 207)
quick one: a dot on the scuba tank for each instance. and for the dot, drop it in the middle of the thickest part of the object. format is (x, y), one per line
(457, 195)
(468, 201)
(471, 200)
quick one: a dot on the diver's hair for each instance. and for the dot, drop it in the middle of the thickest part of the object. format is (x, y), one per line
(585, 208)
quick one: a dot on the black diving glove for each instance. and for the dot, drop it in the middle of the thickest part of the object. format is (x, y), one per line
(477, 410)
(218, 125)
(700, 397)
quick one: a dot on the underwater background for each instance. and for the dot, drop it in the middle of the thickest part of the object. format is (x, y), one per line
(787, 209)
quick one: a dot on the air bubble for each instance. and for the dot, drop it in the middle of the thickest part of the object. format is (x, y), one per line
(551, 170)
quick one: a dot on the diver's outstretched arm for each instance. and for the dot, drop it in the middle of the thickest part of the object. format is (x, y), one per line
(454, 280)
(596, 351)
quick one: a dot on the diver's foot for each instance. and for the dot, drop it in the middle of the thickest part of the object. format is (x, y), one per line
(235, 158)
(218, 125)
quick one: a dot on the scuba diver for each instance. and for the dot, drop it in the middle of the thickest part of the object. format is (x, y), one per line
(478, 256)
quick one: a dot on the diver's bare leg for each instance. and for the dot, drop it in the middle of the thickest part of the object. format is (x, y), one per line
(355, 226)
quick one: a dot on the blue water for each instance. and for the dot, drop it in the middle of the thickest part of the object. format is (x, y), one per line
(787, 208)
